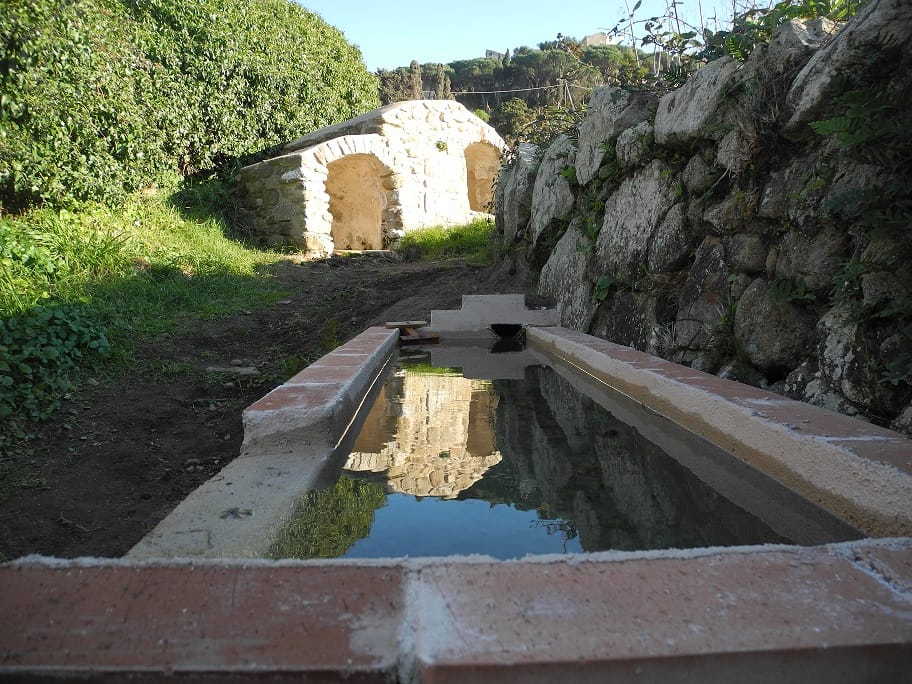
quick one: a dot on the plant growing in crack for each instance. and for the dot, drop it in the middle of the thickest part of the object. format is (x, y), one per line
(602, 288)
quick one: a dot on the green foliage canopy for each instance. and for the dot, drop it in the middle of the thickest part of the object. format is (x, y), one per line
(103, 97)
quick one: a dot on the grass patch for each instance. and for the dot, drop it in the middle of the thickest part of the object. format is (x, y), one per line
(471, 243)
(76, 286)
(141, 267)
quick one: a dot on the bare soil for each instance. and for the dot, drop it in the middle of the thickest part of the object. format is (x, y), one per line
(127, 450)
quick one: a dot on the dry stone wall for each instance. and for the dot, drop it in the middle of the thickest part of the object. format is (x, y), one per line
(366, 181)
(713, 226)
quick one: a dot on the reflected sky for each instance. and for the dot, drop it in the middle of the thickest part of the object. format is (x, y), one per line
(431, 526)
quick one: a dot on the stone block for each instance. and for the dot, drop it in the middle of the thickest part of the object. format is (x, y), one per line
(737, 148)
(670, 246)
(634, 143)
(776, 334)
(703, 301)
(513, 198)
(878, 24)
(812, 260)
(564, 278)
(746, 253)
(552, 197)
(698, 176)
(611, 111)
(628, 318)
(697, 109)
(632, 214)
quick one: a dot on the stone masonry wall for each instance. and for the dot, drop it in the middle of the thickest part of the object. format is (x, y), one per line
(712, 226)
(432, 159)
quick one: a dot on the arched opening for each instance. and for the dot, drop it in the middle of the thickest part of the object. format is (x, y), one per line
(482, 166)
(357, 189)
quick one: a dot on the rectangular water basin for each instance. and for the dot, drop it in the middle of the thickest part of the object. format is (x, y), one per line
(521, 458)
(781, 461)
(188, 601)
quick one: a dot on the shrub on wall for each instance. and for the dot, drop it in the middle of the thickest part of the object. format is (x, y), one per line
(102, 97)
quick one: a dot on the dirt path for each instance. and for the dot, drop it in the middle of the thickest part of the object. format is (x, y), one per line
(126, 451)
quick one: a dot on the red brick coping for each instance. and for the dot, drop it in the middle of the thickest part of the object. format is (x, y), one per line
(838, 613)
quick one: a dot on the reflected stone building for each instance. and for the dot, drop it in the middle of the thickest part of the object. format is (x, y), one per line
(428, 434)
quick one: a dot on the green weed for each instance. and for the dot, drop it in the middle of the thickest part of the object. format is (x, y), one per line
(329, 340)
(292, 365)
(602, 288)
(164, 370)
(471, 242)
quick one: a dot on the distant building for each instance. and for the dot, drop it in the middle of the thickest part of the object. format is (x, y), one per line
(493, 54)
(600, 38)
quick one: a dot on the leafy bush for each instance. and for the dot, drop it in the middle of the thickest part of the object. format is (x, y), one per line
(756, 25)
(102, 97)
(681, 47)
(39, 351)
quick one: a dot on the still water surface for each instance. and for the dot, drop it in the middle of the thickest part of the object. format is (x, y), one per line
(448, 465)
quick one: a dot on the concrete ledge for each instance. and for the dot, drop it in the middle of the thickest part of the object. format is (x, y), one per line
(289, 437)
(858, 471)
(317, 403)
(838, 613)
(478, 312)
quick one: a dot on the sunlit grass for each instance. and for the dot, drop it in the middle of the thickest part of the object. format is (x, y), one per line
(142, 267)
(471, 242)
(78, 285)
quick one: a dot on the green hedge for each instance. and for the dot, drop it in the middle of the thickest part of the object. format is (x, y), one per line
(103, 97)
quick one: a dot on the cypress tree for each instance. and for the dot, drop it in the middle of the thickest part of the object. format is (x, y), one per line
(417, 91)
(440, 83)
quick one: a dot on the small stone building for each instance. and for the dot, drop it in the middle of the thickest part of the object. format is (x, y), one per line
(361, 183)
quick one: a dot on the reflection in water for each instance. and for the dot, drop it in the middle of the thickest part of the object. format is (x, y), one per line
(508, 468)
(428, 434)
(328, 521)
(572, 460)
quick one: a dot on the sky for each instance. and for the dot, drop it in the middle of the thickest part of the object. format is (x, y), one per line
(392, 33)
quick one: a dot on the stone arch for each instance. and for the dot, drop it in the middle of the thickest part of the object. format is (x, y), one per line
(358, 186)
(482, 165)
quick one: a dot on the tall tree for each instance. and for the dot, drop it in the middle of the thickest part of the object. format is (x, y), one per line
(395, 86)
(440, 83)
(417, 90)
